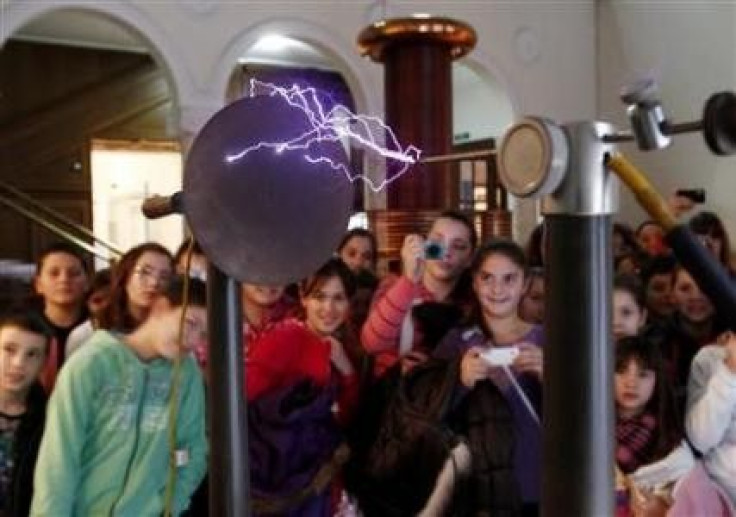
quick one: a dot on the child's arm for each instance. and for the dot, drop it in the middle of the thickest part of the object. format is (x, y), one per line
(58, 467)
(392, 301)
(664, 473)
(191, 436)
(711, 399)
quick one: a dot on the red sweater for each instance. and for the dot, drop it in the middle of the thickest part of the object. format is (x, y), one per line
(289, 353)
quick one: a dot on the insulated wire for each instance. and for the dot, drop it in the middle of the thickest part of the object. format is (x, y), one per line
(523, 396)
(175, 383)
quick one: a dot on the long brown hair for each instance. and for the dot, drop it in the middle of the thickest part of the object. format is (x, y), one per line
(709, 224)
(117, 315)
(662, 404)
(335, 268)
(505, 248)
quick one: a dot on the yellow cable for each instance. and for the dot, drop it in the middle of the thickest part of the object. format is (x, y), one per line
(645, 193)
(175, 382)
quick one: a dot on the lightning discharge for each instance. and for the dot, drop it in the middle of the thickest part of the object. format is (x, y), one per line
(334, 125)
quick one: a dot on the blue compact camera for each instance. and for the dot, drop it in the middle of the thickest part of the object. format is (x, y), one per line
(434, 250)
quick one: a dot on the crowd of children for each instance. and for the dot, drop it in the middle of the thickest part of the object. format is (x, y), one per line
(417, 393)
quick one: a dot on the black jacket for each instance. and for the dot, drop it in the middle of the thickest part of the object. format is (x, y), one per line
(422, 416)
(25, 451)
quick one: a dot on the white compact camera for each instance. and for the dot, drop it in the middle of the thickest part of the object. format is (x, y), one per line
(504, 356)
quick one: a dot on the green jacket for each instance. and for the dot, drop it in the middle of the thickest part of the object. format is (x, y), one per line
(105, 449)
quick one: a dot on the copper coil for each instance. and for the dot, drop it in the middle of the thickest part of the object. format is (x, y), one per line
(458, 36)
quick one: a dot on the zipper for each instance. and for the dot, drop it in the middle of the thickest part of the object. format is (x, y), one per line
(129, 467)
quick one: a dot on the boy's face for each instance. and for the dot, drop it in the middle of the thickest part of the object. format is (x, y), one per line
(358, 253)
(628, 317)
(22, 355)
(62, 279)
(659, 294)
(195, 330)
(692, 304)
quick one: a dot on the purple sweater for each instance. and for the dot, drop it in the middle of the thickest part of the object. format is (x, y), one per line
(528, 437)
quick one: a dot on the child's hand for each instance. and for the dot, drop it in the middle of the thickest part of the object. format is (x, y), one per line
(728, 341)
(412, 359)
(412, 257)
(647, 504)
(529, 360)
(680, 204)
(473, 367)
(338, 357)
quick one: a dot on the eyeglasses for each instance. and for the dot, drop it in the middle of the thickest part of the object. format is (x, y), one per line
(147, 274)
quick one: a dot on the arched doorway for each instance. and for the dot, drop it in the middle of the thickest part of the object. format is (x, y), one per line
(73, 81)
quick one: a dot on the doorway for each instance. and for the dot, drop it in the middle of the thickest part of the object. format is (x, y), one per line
(124, 173)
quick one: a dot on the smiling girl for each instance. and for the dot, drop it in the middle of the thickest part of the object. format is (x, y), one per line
(300, 386)
(499, 275)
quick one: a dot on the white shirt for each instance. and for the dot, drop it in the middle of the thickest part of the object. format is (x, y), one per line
(711, 415)
(78, 337)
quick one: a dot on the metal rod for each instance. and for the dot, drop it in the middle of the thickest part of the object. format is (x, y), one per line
(52, 228)
(578, 367)
(683, 127)
(621, 136)
(229, 482)
(60, 217)
(667, 129)
(454, 157)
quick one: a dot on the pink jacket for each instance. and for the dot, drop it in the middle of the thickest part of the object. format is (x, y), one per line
(381, 332)
(698, 495)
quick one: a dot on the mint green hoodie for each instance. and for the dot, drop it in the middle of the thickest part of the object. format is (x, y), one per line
(105, 448)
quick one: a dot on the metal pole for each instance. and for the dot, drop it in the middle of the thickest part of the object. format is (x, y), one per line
(456, 157)
(60, 217)
(668, 129)
(52, 228)
(229, 483)
(578, 466)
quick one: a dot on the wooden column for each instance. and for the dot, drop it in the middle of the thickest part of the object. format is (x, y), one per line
(417, 53)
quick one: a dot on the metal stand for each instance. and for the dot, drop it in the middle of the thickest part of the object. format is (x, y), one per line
(229, 482)
(578, 463)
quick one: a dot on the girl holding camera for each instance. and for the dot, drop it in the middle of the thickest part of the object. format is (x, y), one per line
(432, 272)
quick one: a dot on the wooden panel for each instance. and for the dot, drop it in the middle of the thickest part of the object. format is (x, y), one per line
(15, 243)
(49, 134)
(78, 210)
(36, 76)
(56, 98)
(54, 101)
(22, 239)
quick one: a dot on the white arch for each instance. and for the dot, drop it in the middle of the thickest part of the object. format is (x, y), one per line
(309, 32)
(526, 211)
(488, 68)
(17, 14)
